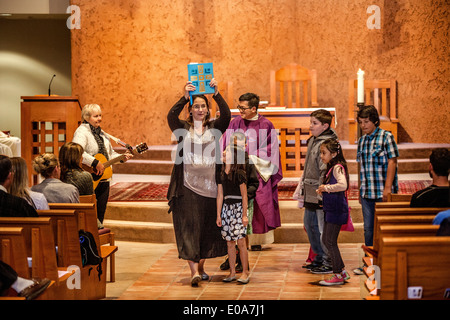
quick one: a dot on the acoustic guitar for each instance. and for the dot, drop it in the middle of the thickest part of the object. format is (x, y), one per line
(107, 173)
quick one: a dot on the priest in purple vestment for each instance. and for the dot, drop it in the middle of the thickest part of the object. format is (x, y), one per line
(263, 150)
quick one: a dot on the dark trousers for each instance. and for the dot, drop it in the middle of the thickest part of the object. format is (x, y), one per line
(329, 238)
(102, 195)
(7, 277)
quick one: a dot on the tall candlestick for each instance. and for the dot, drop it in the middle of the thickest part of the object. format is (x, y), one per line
(360, 86)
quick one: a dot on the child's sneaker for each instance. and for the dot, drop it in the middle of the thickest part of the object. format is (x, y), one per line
(345, 275)
(322, 270)
(335, 280)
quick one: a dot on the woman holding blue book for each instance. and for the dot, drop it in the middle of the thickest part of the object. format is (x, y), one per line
(193, 190)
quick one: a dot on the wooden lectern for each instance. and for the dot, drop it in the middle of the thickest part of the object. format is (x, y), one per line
(47, 122)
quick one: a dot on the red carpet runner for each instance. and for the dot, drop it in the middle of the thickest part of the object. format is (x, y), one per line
(149, 191)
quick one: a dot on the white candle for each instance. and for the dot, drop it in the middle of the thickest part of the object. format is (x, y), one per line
(360, 86)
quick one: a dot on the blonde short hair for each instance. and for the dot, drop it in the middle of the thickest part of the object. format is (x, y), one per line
(88, 110)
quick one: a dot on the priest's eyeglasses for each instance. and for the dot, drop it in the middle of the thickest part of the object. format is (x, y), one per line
(241, 108)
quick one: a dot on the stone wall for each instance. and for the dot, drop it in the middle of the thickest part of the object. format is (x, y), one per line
(130, 56)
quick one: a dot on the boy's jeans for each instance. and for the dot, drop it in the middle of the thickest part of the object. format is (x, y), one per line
(313, 221)
(368, 211)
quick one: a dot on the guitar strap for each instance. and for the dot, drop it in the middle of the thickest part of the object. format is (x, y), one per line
(116, 140)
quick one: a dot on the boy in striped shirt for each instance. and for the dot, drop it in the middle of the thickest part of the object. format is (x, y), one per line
(377, 154)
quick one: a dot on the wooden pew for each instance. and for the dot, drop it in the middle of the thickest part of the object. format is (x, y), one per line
(87, 220)
(40, 246)
(399, 220)
(65, 225)
(386, 219)
(106, 236)
(397, 226)
(397, 204)
(399, 213)
(65, 229)
(403, 227)
(399, 197)
(414, 261)
(14, 253)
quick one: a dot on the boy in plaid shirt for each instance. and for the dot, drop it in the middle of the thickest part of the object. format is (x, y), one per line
(377, 153)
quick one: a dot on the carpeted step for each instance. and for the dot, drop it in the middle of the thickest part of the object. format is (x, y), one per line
(157, 211)
(150, 222)
(160, 232)
(141, 231)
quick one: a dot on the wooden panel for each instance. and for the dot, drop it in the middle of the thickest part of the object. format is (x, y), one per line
(412, 261)
(64, 114)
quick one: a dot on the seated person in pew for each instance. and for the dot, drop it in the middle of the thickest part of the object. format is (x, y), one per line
(19, 186)
(52, 187)
(444, 226)
(443, 220)
(11, 206)
(26, 288)
(70, 158)
(436, 195)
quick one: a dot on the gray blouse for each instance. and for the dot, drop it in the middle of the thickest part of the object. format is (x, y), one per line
(57, 191)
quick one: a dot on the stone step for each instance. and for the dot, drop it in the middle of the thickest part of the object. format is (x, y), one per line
(141, 231)
(162, 232)
(164, 167)
(150, 222)
(157, 211)
(414, 158)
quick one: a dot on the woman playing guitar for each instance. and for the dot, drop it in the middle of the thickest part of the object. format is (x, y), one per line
(94, 141)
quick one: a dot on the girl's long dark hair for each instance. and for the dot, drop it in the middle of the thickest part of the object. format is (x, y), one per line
(334, 146)
(236, 165)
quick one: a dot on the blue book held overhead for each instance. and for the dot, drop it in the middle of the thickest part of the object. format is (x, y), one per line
(200, 74)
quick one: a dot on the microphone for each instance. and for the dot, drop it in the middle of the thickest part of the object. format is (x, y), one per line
(49, 91)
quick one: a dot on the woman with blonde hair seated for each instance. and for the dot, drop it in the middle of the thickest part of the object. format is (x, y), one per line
(56, 191)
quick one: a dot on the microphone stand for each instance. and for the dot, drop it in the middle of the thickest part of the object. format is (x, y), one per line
(49, 91)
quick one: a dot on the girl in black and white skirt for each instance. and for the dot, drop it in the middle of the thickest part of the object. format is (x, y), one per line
(232, 208)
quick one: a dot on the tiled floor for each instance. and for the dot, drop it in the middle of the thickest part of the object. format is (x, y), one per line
(276, 274)
(148, 271)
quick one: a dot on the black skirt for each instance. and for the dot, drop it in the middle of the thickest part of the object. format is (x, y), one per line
(196, 232)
